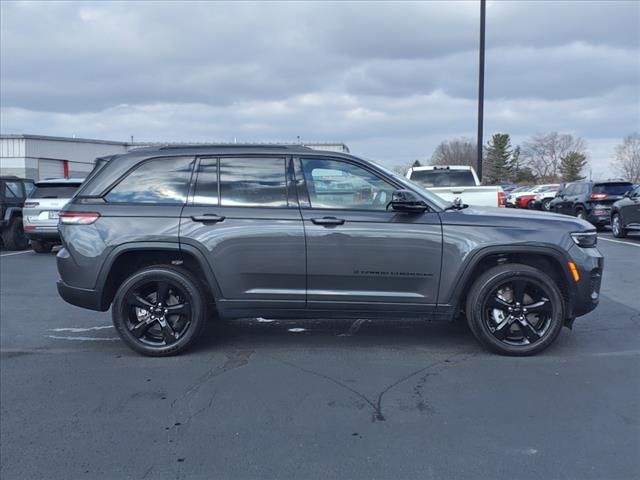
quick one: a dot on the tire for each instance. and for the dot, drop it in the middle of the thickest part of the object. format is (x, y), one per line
(546, 205)
(531, 205)
(616, 226)
(141, 318)
(580, 213)
(40, 246)
(13, 236)
(525, 332)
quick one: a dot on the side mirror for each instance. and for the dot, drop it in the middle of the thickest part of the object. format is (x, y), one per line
(627, 193)
(407, 201)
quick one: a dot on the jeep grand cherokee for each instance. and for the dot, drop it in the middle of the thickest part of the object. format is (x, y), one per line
(168, 237)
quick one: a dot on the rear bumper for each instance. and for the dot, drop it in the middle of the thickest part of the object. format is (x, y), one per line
(80, 297)
(49, 234)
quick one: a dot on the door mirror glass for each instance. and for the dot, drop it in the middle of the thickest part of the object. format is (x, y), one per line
(407, 201)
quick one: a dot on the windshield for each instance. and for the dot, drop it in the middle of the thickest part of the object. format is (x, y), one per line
(52, 190)
(443, 178)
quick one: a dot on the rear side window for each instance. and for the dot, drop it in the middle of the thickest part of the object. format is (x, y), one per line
(12, 190)
(443, 178)
(206, 192)
(253, 182)
(54, 191)
(157, 181)
(613, 188)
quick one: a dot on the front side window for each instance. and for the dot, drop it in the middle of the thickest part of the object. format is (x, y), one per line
(253, 182)
(157, 181)
(342, 185)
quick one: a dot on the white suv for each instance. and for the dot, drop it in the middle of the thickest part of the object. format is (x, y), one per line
(40, 211)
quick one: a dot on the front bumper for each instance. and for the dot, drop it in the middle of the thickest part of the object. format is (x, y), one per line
(586, 292)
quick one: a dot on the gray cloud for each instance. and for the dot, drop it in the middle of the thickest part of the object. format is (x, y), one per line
(391, 79)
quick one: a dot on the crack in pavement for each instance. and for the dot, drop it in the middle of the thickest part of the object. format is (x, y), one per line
(376, 406)
(235, 359)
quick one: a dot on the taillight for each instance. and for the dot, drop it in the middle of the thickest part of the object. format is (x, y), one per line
(598, 196)
(30, 204)
(502, 199)
(78, 218)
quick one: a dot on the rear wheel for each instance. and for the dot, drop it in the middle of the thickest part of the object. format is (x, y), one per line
(159, 311)
(580, 213)
(616, 226)
(515, 310)
(13, 236)
(40, 246)
(546, 204)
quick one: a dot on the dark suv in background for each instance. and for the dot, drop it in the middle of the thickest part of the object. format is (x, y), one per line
(169, 236)
(625, 214)
(13, 192)
(589, 200)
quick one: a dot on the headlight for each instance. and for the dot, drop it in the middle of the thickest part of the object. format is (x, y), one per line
(585, 239)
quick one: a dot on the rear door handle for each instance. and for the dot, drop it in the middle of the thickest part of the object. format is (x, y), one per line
(207, 218)
(328, 221)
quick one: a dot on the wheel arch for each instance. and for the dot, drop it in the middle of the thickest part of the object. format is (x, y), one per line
(549, 259)
(128, 258)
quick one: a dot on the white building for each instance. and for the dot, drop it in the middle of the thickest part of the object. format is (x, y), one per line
(40, 157)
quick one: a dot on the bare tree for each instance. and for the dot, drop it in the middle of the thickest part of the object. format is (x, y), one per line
(544, 152)
(627, 161)
(458, 151)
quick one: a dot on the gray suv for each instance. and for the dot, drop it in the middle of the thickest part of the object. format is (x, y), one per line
(171, 236)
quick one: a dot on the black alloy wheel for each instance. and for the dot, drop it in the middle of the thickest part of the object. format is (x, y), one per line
(159, 311)
(515, 309)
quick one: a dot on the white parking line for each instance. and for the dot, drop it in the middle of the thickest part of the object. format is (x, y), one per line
(15, 253)
(85, 339)
(77, 330)
(619, 241)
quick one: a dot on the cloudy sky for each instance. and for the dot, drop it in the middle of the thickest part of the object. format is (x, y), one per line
(390, 79)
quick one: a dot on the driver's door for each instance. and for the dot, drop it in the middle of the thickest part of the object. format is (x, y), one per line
(358, 252)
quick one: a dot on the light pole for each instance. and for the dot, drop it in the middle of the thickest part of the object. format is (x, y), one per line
(483, 12)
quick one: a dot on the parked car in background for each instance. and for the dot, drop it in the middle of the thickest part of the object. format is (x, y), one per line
(452, 182)
(625, 214)
(13, 192)
(508, 187)
(40, 211)
(515, 198)
(511, 195)
(166, 237)
(542, 200)
(590, 200)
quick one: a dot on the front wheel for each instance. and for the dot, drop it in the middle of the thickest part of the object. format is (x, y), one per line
(546, 205)
(159, 311)
(616, 226)
(515, 309)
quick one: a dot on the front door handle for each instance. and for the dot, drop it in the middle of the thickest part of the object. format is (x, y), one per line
(328, 221)
(207, 218)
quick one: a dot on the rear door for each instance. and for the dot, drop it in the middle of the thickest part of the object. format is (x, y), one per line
(360, 253)
(243, 216)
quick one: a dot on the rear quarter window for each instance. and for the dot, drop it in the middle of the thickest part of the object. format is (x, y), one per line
(157, 181)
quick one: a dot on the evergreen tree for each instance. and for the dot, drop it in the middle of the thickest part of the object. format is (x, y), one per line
(416, 164)
(571, 166)
(498, 159)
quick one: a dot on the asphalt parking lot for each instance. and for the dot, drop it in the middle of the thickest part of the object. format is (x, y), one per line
(263, 399)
